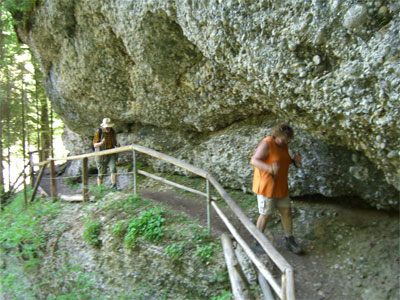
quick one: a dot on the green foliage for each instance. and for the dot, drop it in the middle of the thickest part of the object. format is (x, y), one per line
(98, 191)
(222, 276)
(199, 234)
(175, 250)
(134, 201)
(205, 253)
(10, 282)
(119, 229)
(19, 6)
(20, 228)
(22, 97)
(22, 237)
(150, 225)
(92, 232)
(131, 203)
(205, 245)
(74, 283)
(225, 295)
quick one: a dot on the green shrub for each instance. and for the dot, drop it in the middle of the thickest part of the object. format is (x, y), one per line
(149, 225)
(175, 250)
(199, 234)
(205, 253)
(74, 283)
(22, 237)
(23, 6)
(20, 228)
(119, 229)
(92, 232)
(134, 201)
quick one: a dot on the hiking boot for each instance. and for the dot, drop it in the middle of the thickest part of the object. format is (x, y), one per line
(292, 246)
(257, 247)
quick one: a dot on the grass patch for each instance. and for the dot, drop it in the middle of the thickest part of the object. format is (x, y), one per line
(119, 229)
(205, 253)
(99, 192)
(130, 204)
(175, 251)
(92, 232)
(150, 225)
(225, 295)
(23, 239)
(21, 228)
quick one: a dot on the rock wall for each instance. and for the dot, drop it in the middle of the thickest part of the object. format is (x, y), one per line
(206, 80)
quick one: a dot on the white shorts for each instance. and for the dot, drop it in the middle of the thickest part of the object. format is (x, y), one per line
(266, 206)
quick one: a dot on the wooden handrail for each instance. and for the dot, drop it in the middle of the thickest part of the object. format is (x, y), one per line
(257, 262)
(87, 155)
(257, 234)
(286, 291)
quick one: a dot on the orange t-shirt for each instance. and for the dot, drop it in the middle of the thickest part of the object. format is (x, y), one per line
(263, 183)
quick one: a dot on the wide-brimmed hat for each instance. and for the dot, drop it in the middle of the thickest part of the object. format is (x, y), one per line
(106, 123)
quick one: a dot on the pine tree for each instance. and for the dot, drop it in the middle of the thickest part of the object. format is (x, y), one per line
(25, 116)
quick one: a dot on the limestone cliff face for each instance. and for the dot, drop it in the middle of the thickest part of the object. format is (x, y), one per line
(205, 81)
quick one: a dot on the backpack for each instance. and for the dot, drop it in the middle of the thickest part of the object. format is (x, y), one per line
(101, 136)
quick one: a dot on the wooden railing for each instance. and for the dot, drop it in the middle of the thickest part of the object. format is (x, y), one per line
(285, 290)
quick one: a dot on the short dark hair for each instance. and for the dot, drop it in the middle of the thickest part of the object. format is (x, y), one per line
(282, 130)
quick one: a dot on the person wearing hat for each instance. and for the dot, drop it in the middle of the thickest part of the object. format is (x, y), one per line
(104, 139)
(270, 182)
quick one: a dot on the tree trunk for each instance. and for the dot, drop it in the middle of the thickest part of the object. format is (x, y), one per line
(38, 92)
(1, 116)
(44, 114)
(1, 162)
(51, 131)
(45, 129)
(23, 139)
(8, 132)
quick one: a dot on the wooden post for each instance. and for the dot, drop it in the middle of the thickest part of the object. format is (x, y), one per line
(290, 284)
(283, 283)
(53, 180)
(238, 286)
(266, 289)
(256, 261)
(85, 187)
(35, 188)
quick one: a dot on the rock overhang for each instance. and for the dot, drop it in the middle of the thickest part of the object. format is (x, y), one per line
(196, 68)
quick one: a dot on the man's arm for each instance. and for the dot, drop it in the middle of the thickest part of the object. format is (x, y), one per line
(260, 155)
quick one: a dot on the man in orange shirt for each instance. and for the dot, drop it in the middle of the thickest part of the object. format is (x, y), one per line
(270, 182)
